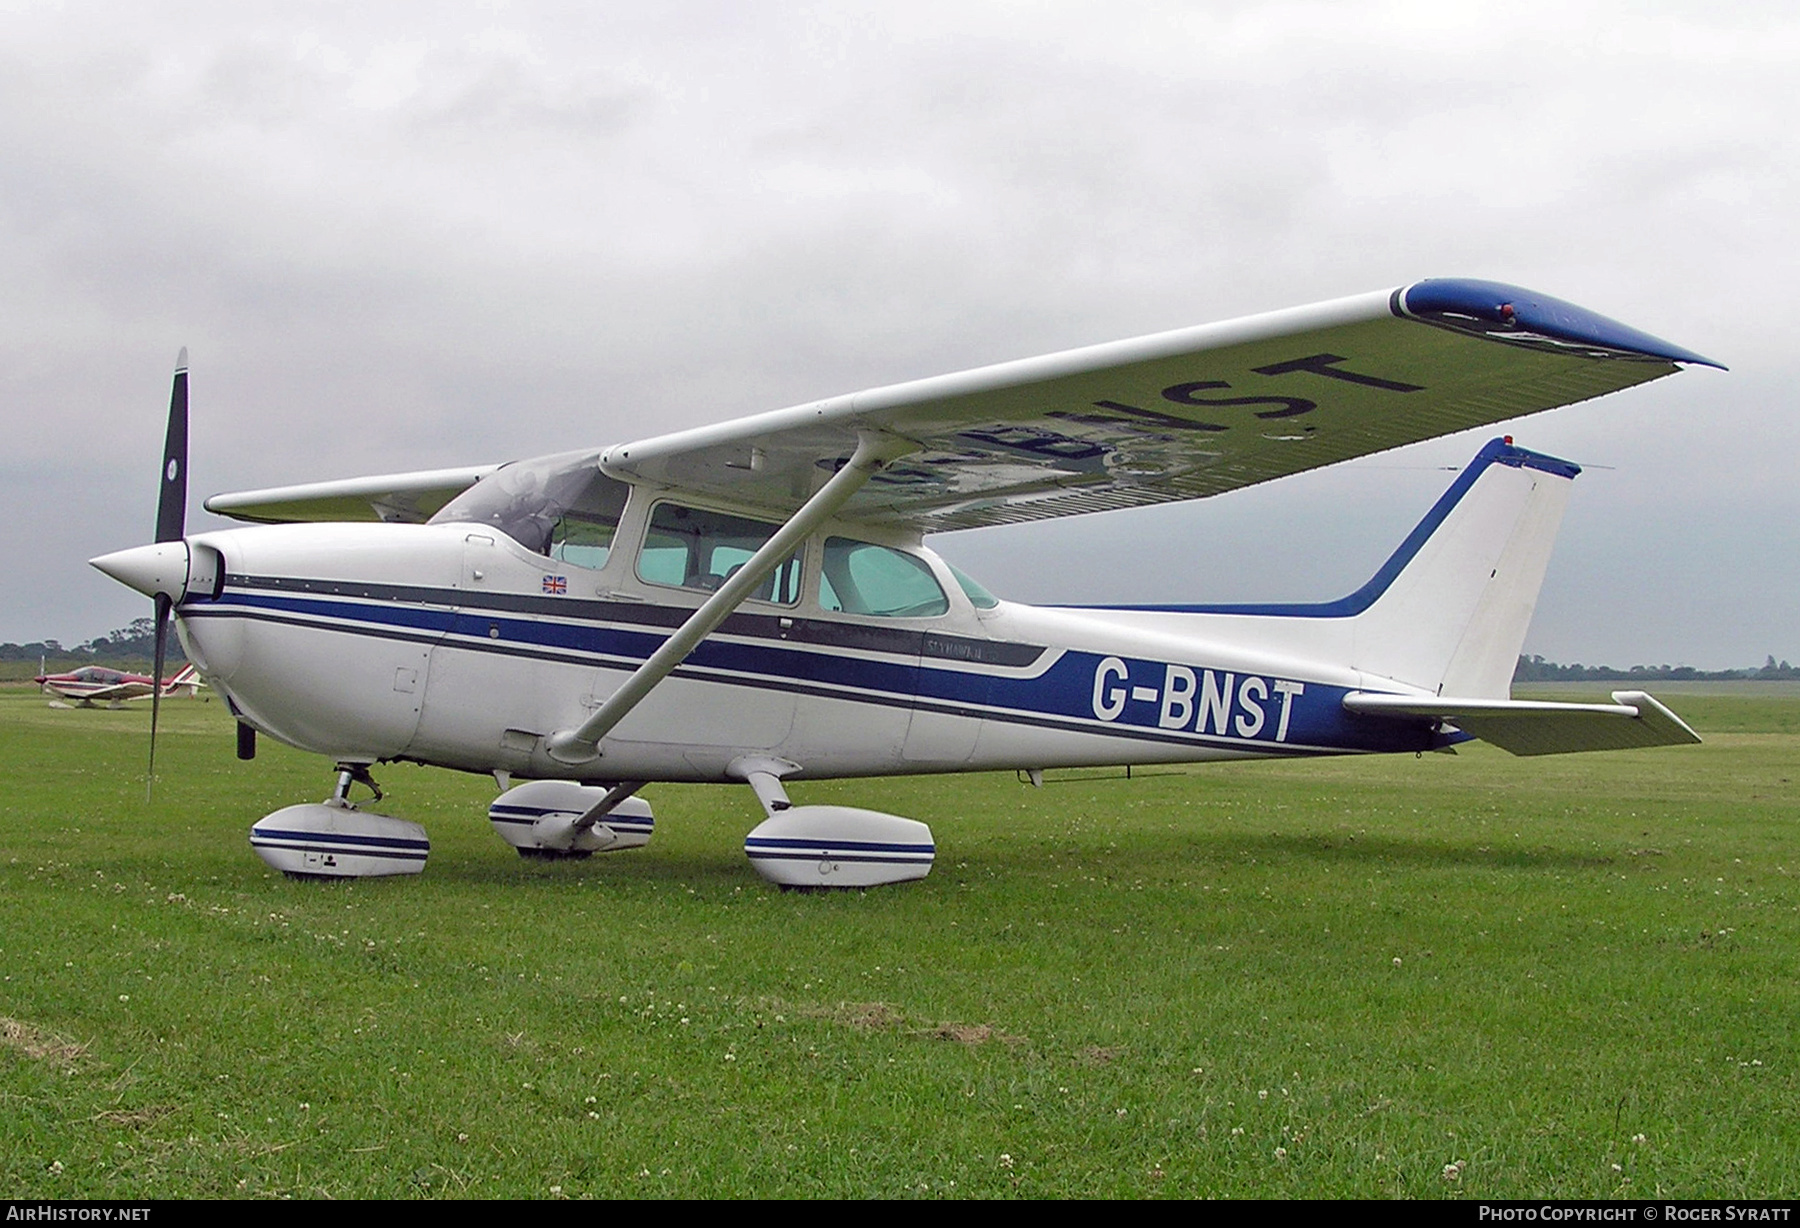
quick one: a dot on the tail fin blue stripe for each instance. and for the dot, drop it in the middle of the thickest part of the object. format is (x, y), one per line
(1497, 452)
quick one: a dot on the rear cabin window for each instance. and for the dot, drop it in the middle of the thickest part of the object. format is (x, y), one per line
(690, 547)
(863, 578)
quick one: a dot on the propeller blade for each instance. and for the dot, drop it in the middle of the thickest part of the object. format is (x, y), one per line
(163, 606)
(171, 526)
(171, 503)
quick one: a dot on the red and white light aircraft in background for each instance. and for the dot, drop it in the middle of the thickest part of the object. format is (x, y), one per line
(97, 684)
(753, 602)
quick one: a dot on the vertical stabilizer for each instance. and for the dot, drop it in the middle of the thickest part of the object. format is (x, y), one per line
(1448, 612)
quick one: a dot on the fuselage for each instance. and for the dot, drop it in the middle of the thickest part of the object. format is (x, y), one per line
(453, 644)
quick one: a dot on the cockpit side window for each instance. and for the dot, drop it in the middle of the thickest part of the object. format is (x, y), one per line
(561, 506)
(863, 578)
(691, 547)
(584, 535)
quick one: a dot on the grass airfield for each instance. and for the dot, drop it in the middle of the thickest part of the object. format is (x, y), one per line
(1469, 976)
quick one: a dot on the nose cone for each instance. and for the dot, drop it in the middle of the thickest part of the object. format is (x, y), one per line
(160, 569)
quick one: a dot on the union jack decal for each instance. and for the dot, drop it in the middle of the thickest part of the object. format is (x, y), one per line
(556, 584)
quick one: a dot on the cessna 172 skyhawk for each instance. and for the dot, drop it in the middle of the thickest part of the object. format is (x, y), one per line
(751, 602)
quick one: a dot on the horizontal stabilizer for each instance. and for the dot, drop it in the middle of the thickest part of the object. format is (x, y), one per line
(1538, 727)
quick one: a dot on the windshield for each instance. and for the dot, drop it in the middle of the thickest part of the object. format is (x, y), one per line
(556, 505)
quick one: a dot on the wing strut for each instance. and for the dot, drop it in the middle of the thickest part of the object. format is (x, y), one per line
(873, 451)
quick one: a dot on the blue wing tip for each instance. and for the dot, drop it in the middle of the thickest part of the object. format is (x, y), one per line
(1494, 308)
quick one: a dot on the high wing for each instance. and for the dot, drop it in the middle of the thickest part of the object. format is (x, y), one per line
(401, 498)
(1176, 415)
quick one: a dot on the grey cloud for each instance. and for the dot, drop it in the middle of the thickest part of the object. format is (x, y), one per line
(412, 237)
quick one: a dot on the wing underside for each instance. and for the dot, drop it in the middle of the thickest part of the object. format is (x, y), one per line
(1178, 415)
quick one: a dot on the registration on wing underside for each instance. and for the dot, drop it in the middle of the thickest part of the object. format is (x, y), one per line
(1179, 416)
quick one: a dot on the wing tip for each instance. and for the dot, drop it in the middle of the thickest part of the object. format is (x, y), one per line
(1495, 309)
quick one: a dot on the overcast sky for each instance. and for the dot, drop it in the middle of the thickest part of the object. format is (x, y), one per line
(404, 236)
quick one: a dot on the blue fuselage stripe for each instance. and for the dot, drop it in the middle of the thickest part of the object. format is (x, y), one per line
(1245, 713)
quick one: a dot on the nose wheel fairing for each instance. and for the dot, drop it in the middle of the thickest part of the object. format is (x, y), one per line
(326, 840)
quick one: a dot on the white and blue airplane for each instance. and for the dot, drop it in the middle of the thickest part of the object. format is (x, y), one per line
(752, 602)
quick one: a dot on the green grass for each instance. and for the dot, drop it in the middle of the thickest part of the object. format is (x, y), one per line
(1306, 978)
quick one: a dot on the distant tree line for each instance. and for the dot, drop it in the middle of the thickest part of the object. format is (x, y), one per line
(1536, 669)
(136, 642)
